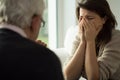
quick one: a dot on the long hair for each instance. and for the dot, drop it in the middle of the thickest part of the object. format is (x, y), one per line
(102, 8)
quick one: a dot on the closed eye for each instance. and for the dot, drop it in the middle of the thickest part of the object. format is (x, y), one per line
(90, 18)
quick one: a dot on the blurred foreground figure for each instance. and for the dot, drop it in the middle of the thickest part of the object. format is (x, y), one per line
(21, 58)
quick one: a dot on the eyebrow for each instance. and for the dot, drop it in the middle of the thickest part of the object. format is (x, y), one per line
(87, 15)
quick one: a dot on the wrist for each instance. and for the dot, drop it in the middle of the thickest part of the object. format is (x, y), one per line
(83, 42)
(91, 42)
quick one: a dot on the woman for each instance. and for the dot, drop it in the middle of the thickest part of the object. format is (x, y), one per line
(96, 50)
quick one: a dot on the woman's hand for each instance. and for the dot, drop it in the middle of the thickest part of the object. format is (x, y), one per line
(81, 31)
(90, 30)
(41, 43)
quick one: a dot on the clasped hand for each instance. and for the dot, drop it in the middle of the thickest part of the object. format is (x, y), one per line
(88, 30)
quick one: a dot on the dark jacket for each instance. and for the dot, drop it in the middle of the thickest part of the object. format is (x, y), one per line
(23, 59)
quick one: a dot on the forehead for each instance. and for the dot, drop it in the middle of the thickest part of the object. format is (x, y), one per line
(83, 12)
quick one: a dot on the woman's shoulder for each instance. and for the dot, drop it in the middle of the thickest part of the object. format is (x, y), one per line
(115, 34)
(115, 38)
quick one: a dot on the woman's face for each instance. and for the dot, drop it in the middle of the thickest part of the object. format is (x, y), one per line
(91, 17)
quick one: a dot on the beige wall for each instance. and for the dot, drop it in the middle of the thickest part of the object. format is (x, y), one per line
(114, 5)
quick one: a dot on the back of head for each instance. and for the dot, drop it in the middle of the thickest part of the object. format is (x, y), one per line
(20, 12)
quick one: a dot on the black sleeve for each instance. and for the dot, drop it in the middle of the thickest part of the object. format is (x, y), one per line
(48, 66)
(55, 67)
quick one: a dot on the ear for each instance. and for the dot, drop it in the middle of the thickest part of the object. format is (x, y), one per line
(35, 24)
(104, 19)
(35, 27)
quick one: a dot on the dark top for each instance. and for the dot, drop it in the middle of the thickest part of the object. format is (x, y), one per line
(23, 59)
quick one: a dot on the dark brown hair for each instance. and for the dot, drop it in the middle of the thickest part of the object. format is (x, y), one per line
(102, 8)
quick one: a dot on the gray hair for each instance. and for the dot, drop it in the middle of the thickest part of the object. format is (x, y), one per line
(20, 12)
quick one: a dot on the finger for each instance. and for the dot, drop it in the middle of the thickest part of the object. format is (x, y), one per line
(93, 25)
(85, 25)
(88, 24)
(45, 45)
(38, 41)
(79, 19)
(41, 43)
(80, 25)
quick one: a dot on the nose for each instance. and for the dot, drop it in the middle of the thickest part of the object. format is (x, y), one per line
(81, 20)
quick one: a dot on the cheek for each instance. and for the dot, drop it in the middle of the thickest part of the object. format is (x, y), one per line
(98, 23)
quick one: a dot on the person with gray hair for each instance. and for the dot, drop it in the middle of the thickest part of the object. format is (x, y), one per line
(20, 56)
